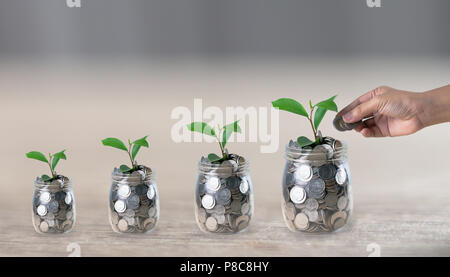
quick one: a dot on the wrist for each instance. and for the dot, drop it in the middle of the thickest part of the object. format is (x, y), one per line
(434, 107)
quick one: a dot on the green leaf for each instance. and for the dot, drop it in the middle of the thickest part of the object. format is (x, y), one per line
(310, 105)
(320, 112)
(304, 141)
(228, 130)
(137, 144)
(213, 157)
(46, 178)
(124, 168)
(37, 156)
(116, 143)
(201, 127)
(328, 104)
(290, 105)
(141, 142)
(57, 157)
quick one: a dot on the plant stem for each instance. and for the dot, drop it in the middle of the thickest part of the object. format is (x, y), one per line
(50, 165)
(312, 125)
(220, 144)
(129, 154)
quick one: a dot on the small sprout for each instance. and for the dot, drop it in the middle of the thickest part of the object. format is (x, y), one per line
(290, 105)
(52, 162)
(132, 150)
(226, 132)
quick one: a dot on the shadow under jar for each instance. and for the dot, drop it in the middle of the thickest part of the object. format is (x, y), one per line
(224, 195)
(53, 206)
(317, 192)
(133, 201)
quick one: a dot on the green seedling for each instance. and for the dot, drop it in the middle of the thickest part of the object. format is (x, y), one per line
(222, 135)
(318, 110)
(132, 150)
(52, 161)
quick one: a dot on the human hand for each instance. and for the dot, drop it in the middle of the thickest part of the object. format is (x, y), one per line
(395, 112)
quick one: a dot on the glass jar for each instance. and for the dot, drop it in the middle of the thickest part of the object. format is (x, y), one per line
(133, 201)
(224, 195)
(53, 206)
(317, 192)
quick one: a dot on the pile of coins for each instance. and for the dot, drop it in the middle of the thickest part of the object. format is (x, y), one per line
(134, 202)
(316, 187)
(53, 206)
(224, 195)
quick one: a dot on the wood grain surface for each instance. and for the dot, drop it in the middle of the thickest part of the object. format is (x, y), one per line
(401, 185)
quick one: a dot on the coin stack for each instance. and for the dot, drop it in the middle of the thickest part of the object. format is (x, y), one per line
(224, 195)
(53, 206)
(316, 187)
(134, 202)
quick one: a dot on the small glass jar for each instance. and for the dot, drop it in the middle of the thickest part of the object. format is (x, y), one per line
(133, 201)
(53, 206)
(317, 192)
(224, 196)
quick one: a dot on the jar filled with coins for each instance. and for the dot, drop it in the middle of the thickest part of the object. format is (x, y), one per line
(317, 192)
(133, 201)
(53, 206)
(224, 195)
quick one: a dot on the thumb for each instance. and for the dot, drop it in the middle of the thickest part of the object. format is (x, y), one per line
(363, 110)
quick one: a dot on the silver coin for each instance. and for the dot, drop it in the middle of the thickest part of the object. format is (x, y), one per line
(235, 205)
(311, 204)
(336, 216)
(211, 224)
(68, 199)
(342, 203)
(223, 196)
(339, 223)
(114, 218)
(44, 227)
(151, 192)
(220, 218)
(120, 206)
(329, 150)
(66, 225)
(152, 212)
(313, 216)
(124, 191)
(122, 225)
(301, 221)
(242, 222)
(208, 201)
(53, 207)
(45, 197)
(331, 199)
(41, 210)
(245, 208)
(327, 171)
(51, 222)
(290, 211)
(297, 195)
(341, 176)
(69, 215)
(130, 220)
(316, 186)
(213, 183)
(304, 173)
(201, 215)
(149, 223)
(243, 187)
(133, 202)
(219, 209)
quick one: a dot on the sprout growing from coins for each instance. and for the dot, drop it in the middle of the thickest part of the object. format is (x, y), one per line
(315, 116)
(222, 136)
(52, 162)
(132, 150)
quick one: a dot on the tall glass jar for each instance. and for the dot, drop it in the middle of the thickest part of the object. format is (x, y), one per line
(53, 206)
(224, 195)
(133, 201)
(317, 192)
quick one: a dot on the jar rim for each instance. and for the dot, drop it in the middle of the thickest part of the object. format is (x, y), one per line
(293, 153)
(144, 173)
(61, 182)
(207, 167)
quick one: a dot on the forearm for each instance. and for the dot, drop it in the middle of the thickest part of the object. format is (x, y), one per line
(436, 106)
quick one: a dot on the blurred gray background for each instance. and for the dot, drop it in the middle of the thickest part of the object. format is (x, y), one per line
(249, 28)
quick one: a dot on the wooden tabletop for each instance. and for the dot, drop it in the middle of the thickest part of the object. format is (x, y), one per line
(401, 185)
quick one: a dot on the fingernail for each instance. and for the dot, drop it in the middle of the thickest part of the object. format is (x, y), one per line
(347, 117)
